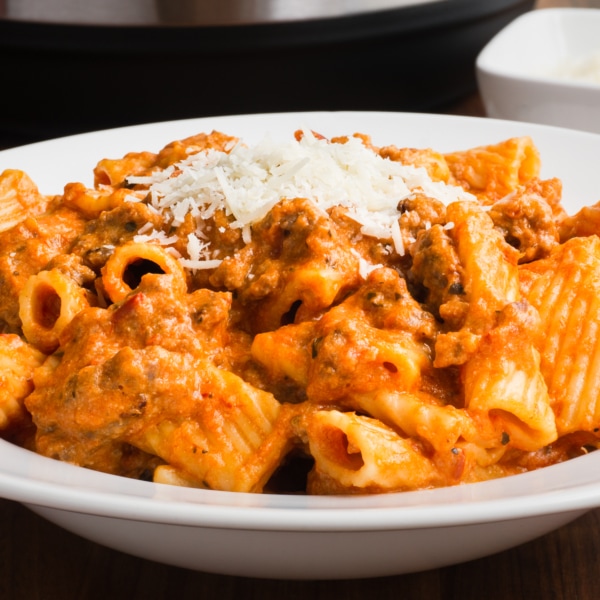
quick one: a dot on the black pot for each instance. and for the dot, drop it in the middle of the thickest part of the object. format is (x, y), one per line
(62, 78)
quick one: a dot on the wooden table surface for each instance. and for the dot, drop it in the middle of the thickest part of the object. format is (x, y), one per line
(38, 560)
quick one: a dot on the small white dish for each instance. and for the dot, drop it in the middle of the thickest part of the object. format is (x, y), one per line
(295, 536)
(544, 67)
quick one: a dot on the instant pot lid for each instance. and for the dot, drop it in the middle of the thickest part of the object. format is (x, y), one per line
(189, 12)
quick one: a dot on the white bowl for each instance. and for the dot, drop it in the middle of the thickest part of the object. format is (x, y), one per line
(303, 537)
(539, 69)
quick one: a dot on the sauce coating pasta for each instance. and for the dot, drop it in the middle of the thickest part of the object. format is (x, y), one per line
(323, 316)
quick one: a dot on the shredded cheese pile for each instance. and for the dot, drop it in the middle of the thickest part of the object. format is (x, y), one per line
(248, 181)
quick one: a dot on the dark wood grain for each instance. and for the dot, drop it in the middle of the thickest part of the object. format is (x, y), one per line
(41, 561)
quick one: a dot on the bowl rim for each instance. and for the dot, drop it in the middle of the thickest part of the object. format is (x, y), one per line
(561, 488)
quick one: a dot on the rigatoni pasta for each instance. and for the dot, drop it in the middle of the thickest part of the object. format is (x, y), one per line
(47, 304)
(321, 316)
(566, 292)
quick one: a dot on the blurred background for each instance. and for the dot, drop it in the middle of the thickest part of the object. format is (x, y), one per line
(69, 66)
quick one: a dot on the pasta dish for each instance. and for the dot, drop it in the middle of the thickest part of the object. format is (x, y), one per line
(321, 316)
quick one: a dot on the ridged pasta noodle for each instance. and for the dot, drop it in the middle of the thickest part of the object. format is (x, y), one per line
(47, 304)
(148, 258)
(566, 293)
(19, 198)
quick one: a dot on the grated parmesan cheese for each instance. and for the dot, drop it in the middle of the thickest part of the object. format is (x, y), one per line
(248, 181)
(364, 267)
